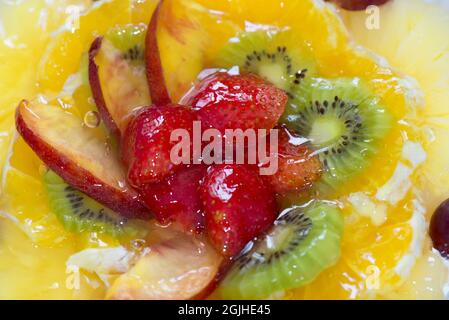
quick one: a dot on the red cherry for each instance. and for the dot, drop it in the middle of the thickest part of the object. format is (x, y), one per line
(176, 199)
(238, 206)
(439, 229)
(225, 101)
(146, 144)
(355, 5)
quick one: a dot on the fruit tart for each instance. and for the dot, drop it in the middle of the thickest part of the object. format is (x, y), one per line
(189, 149)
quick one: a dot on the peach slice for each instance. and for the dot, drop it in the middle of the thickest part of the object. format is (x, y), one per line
(119, 86)
(175, 269)
(76, 153)
(155, 73)
(181, 38)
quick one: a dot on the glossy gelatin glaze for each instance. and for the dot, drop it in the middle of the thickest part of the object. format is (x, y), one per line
(386, 197)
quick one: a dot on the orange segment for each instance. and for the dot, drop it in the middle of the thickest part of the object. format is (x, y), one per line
(27, 204)
(63, 55)
(141, 10)
(28, 271)
(374, 260)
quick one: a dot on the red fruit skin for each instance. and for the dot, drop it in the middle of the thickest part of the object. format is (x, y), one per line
(298, 168)
(128, 203)
(155, 73)
(97, 92)
(146, 144)
(439, 229)
(225, 101)
(356, 5)
(177, 199)
(238, 206)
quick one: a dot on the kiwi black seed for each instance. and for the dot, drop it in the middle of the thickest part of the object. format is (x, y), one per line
(79, 213)
(345, 123)
(130, 40)
(304, 241)
(278, 56)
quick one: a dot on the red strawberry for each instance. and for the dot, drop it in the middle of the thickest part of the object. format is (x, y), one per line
(298, 168)
(225, 101)
(238, 206)
(177, 199)
(146, 144)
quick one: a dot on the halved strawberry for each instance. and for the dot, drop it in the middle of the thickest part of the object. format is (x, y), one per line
(225, 101)
(238, 206)
(177, 199)
(146, 144)
(298, 167)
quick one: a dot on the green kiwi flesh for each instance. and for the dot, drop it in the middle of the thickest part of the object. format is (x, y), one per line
(78, 213)
(344, 122)
(276, 55)
(130, 40)
(303, 242)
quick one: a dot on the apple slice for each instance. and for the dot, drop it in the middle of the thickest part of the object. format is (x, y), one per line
(176, 269)
(182, 36)
(117, 76)
(79, 156)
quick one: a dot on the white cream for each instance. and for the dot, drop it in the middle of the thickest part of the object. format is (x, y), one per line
(418, 224)
(413, 94)
(102, 261)
(414, 153)
(73, 82)
(366, 207)
(398, 186)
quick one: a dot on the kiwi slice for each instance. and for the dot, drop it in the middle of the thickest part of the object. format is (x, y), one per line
(304, 241)
(279, 56)
(79, 213)
(130, 40)
(345, 123)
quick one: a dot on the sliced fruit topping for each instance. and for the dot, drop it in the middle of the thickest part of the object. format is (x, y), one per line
(179, 36)
(177, 268)
(224, 101)
(280, 57)
(344, 122)
(177, 199)
(117, 75)
(146, 144)
(298, 167)
(79, 213)
(76, 154)
(356, 5)
(238, 206)
(155, 73)
(439, 229)
(303, 242)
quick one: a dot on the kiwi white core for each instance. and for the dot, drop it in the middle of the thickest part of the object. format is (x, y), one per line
(325, 131)
(274, 73)
(278, 238)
